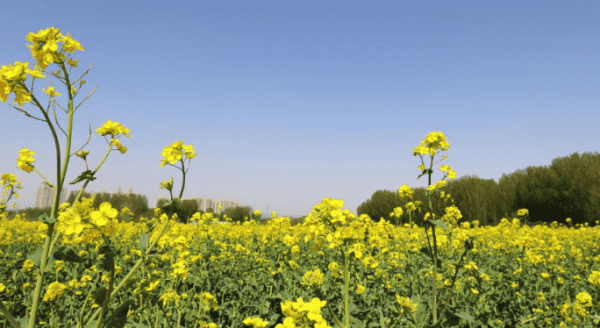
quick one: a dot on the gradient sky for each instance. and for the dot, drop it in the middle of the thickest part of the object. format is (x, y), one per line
(287, 103)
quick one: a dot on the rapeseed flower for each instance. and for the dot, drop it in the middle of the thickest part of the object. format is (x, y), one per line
(360, 289)
(255, 322)
(54, 291)
(28, 265)
(594, 278)
(406, 304)
(312, 278)
(170, 297)
(584, 299)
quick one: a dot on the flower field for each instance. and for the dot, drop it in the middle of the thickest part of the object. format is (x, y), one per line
(248, 275)
(81, 267)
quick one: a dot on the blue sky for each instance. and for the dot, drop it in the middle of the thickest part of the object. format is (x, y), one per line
(287, 103)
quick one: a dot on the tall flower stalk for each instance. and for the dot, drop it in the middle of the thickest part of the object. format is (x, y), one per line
(81, 215)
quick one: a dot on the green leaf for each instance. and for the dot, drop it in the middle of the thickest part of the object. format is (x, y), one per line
(466, 316)
(86, 175)
(143, 243)
(421, 315)
(49, 264)
(118, 318)
(381, 318)
(23, 322)
(440, 224)
(99, 295)
(469, 244)
(451, 319)
(68, 255)
(36, 257)
(107, 262)
(92, 324)
(425, 250)
(46, 219)
(355, 322)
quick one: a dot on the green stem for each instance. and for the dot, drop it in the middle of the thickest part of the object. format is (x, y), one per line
(80, 194)
(109, 291)
(8, 316)
(60, 179)
(434, 253)
(83, 309)
(157, 313)
(434, 275)
(135, 267)
(346, 287)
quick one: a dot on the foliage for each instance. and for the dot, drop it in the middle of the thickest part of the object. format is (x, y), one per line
(380, 205)
(137, 204)
(238, 213)
(494, 287)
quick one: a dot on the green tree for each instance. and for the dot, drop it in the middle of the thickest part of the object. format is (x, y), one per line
(541, 194)
(380, 205)
(238, 213)
(189, 208)
(580, 178)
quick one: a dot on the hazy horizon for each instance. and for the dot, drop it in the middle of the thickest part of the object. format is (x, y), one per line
(289, 103)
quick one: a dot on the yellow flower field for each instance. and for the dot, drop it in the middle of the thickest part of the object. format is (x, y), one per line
(209, 275)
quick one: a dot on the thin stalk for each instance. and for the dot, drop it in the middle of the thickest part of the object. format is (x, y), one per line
(346, 287)
(8, 316)
(135, 267)
(60, 179)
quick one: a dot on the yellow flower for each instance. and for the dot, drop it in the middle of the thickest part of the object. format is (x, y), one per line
(584, 299)
(333, 266)
(594, 278)
(28, 265)
(25, 159)
(471, 266)
(59, 265)
(256, 322)
(208, 301)
(153, 286)
(295, 250)
(312, 278)
(54, 290)
(545, 275)
(407, 303)
(170, 297)
(360, 289)
(474, 291)
(100, 217)
(86, 278)
(2, 287)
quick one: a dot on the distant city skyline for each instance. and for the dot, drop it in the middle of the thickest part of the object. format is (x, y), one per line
(45, 198)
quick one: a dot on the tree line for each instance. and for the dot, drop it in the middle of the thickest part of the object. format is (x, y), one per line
(568, 188)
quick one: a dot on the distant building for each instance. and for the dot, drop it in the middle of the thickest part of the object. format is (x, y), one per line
(117, 191)
(45, 196)
(204, 203)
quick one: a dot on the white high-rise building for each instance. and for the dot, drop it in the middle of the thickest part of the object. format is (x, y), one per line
(204, 203)
(45, 196)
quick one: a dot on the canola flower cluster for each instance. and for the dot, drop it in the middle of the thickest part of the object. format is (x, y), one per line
(560, 263)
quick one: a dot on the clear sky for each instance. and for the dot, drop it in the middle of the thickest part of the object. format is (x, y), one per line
(287, 103)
